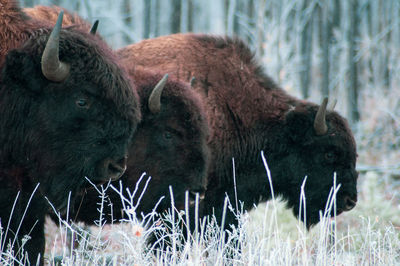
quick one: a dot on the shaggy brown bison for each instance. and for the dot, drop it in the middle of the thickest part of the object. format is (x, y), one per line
(248, 113)
(169, 145)
(68, 111)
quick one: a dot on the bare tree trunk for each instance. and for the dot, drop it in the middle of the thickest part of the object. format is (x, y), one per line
(128, 19)
(369, 31)
(396, 23)
(388, 5)
(156, 20)
(176, 16)
(376, 54)
(278, 13)
(251, 17)
(305, 49)
(239, 8)
(353, 74)
(190, 15)
(231, 17)
(147, 19)
(336, 14)
(260, 28)
(184, 16)
(335, 49)
(325, 39)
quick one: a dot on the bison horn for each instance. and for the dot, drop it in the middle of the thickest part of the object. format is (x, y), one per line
(155, 96)
(52, 68)
(94, 27)
(320, 126)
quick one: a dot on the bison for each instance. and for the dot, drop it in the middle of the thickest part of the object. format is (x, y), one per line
(248, 113)
(68, 112)
(170, 143)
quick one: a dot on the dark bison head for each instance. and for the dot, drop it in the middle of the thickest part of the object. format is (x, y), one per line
(68, 112)
(170, 143)
(317, 150)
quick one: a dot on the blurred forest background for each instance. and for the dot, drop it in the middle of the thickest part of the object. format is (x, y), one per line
(348, 50)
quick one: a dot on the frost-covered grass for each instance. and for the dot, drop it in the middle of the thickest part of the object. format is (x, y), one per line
(269, 235)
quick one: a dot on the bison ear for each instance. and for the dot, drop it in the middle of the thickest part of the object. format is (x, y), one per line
(20, 71)
(299, 126)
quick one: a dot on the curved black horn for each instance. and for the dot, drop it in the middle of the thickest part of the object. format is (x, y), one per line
(52, 68)
(320, 126)
(155, 96)
(94, 27)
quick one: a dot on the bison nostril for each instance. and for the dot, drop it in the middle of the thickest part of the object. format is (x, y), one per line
(349, 203)
(116, 169)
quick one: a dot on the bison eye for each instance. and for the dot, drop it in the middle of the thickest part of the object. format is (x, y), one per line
(330, 156)
(81, 103)
(167, 135)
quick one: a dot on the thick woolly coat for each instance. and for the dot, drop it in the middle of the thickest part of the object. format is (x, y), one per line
(54, 134)
(248, 113)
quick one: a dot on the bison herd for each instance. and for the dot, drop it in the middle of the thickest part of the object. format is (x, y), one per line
(72, 109)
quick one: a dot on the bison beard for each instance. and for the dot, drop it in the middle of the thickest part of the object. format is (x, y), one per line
(248, 113)
(68, 112)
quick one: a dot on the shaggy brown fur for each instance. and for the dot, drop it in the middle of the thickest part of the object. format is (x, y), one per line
(50, 14)
(56, 133)
(248, 113)
(15, 27)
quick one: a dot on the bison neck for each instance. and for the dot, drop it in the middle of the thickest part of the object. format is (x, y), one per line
(250, 177)
(16, 126)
